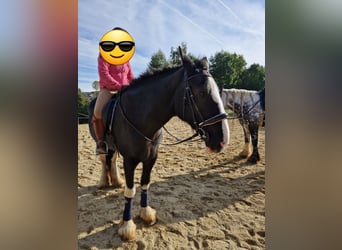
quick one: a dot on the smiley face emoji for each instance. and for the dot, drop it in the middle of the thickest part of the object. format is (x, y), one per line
(117, 46)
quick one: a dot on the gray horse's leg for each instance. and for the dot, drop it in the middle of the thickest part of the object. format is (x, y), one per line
(247, 135)
(255, 157)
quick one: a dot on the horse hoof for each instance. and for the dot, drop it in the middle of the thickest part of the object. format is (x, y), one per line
(253, 160)
(148, 215)
(244, 154)
(127, 230)
(118, 183)
(103, 183)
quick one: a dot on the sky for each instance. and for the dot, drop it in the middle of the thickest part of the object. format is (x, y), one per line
(207, 27)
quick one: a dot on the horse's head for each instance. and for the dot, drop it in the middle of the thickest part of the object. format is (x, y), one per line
(203, 108)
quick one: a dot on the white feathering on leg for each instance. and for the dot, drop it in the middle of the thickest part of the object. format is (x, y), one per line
(115, 176)
(127, 230)
(148, 215)
(104, 181)
(129, 193)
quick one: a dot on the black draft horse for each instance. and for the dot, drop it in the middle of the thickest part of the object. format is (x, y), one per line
(135, 117)
(249, 106)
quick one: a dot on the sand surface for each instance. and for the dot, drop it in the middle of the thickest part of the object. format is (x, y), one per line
(203, 201)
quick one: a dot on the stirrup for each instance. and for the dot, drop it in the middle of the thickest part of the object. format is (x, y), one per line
(101, 149)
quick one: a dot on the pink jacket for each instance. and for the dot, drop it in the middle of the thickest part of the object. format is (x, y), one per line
(113, 77)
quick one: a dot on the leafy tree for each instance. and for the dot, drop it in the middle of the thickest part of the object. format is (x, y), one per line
(95, 85)
(158, 60)
(227, 68)
(253, 78)
(82, 103)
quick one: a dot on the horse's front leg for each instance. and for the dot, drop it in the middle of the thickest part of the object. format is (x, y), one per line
(255, 157)
(127, 228)
(146, 213)
(247, 136)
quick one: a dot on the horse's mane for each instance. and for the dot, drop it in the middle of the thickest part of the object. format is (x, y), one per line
(154, 73)
(239, 97)
(240, 91)
(151, 73)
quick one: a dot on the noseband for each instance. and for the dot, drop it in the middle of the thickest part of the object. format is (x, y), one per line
(199, 125)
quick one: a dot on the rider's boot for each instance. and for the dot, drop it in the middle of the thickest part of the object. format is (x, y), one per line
(101, 146)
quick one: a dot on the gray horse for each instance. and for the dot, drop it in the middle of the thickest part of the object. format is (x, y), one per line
(249, 107)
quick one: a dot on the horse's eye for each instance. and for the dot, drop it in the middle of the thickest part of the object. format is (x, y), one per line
(202, 93)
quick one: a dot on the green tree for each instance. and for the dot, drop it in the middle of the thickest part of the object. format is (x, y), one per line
(227, 68)
(158, 60)
(253, 78)
(82, 103)
(95, 85)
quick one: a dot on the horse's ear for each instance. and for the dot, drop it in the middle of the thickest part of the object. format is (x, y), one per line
(205, 63)
(181, 54)
(188, 64)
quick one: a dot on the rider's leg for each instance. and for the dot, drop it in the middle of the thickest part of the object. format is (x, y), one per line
(99, 128)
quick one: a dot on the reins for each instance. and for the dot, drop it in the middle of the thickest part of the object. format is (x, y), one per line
(249, 110)
(188, 96)
(180, 140)
(198, 127)
(205, 123)
(243, 114)
(130, 123)
(193, 108)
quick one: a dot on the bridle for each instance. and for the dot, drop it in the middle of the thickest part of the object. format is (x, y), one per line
(198, 125)
(201, 124)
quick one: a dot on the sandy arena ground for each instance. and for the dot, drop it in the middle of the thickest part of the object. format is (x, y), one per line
(203, 201)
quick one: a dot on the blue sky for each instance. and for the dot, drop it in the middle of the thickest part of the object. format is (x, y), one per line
(207, 27)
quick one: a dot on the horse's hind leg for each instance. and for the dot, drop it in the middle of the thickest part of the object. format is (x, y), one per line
(247, 136)
(146, 213)
(109, 172)
(115, 177)
(104, 178)
(255, 157)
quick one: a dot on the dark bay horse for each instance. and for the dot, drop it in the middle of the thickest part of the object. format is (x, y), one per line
(140, 111)
(249, 106)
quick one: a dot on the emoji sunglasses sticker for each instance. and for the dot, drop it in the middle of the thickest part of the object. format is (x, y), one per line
(117, 46)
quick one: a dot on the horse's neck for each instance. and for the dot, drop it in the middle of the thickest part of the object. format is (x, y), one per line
(153, 102)
(171, 93)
